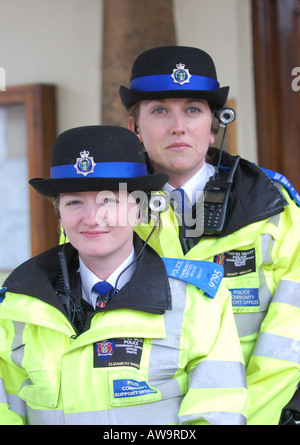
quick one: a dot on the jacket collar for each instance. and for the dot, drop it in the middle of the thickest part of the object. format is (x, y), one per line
(254, 198)
(148, 290)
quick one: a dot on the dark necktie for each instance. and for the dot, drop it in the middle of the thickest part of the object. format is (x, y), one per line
(103, 289)
(181, 204)
(183, 199)
(184, 213)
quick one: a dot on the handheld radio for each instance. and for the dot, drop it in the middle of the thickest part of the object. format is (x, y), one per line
(217, 191)
(216, 200)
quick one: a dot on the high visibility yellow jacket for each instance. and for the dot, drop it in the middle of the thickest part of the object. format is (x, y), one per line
(161, 352)
(259, 250)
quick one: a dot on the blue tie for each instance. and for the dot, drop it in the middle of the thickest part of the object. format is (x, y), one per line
(180, 203)
(102, 288)
(183, 199)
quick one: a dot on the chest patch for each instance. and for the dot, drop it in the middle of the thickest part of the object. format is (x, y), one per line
(237, 262)
(131, 388)
(244, 297)
(118, 352)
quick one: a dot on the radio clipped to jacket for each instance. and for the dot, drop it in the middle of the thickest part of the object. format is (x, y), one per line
(217, 193)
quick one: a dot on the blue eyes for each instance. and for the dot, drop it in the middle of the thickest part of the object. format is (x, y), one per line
(190, 110)
(73, 203)
(104, 201)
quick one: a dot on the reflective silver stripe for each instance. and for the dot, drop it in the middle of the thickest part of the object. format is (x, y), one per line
(3, 395)
(276, 218)
(45, 417)
(288, 292)
(17, 347)
(164, 360)
(168, 388)
(218, 374)
(17, 405)
(214, 418)
(164, 355)
(277, 347)
(164, 412)
(248, 324)
(174, 318)
(14, 402)
(267, 244)
(265, 294)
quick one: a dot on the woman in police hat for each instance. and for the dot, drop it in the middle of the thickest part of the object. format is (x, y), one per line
(94, 331)
(175, 103)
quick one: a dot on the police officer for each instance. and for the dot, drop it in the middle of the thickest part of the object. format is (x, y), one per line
(175, 102)
(96, 331)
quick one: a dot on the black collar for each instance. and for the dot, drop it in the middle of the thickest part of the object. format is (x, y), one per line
(254, 198)
(148, 290)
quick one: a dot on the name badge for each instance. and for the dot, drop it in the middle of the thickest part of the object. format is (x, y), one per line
(202, 274)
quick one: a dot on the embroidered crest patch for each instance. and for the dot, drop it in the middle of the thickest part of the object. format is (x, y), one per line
(118, 352)
(237, 262)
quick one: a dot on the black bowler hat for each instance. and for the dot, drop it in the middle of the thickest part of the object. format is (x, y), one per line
(95, 158)
(171, 72)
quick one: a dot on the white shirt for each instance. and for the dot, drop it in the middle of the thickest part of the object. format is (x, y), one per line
(89, 279)
(195, 184)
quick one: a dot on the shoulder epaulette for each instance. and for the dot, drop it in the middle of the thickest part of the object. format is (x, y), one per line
(2, 294)
(204, 275)
(278, 177)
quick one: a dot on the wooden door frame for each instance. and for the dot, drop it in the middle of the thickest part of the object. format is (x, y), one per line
(274, 56)
(39, 103)
(266, 88)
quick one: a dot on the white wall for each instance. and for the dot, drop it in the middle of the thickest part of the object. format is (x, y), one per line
(56, 42)
(223, 29)
(59, 42)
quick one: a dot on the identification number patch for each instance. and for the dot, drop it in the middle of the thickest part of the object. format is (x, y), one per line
(237, 262)
(118, 352)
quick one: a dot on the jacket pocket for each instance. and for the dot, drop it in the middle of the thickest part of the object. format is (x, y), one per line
(41, 388)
